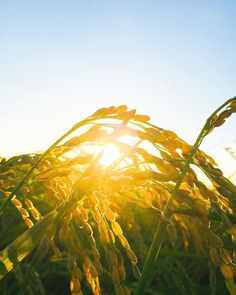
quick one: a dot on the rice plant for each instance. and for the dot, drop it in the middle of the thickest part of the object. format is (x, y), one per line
(88, 206)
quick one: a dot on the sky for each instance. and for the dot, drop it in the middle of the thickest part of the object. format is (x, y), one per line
(62, 60)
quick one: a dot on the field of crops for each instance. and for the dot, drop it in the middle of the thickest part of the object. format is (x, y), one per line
(118, 205)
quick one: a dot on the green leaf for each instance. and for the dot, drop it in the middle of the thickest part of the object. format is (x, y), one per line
(24, 244)
(231, 286)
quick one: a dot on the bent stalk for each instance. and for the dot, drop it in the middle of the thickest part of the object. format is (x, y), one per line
(162, 227)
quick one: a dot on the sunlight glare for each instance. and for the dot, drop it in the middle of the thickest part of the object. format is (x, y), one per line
(110, 155)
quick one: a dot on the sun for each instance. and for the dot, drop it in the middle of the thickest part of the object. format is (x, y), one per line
(107, 153)
(110, 155)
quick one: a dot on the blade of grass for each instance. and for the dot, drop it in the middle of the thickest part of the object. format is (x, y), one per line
(40, 251)
(24, 244)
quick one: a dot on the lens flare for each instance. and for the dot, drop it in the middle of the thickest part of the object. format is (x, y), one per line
(110, 155)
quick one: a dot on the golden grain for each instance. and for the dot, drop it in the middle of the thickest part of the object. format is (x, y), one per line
(28, 222)
(110, 215)
(24, 212)
(35, 213)
(16, 202)
(116, 228)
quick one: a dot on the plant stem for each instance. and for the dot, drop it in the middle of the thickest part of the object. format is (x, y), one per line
(162, 227)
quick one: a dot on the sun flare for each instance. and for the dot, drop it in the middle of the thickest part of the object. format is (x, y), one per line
(110, 155)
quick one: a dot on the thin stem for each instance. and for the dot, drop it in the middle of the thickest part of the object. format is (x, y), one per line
(162, 227)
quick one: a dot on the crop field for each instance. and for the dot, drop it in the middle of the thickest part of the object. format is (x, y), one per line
(118, 205)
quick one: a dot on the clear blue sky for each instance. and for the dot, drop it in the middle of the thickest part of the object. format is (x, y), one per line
(61, 60)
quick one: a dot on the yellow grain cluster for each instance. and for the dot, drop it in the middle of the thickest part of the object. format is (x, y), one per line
(97, 206)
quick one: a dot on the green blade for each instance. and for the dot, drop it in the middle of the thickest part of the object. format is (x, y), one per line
(24, 244)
